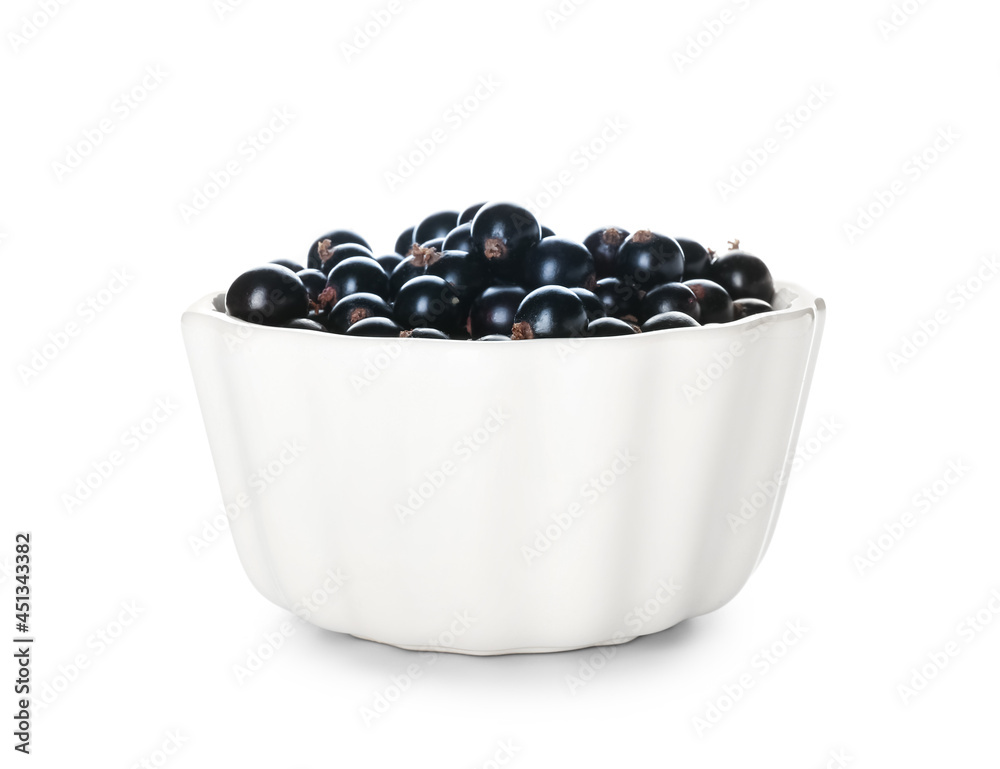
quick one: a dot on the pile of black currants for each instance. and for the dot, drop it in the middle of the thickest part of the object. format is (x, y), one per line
(492, 272)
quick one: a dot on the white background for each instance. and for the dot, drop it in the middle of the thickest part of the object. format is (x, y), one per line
(897, 425)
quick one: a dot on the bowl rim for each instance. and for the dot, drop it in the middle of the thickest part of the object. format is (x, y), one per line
(801, 301)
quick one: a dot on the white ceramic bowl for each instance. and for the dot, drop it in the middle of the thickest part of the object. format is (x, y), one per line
(497, 497)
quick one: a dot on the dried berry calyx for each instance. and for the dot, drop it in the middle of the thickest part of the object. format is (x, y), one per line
(492, 271)
(422, 257)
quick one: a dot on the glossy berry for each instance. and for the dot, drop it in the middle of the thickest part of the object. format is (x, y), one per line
(558, 262)
(381, 327)
(593, 305)
(744, 308)
(603, 245)
(503, 233)
(459, 239)
(743, 275)
(611, 327)
(335, 238)
(404, 241)
(389, 262)
(619, 299)
(354, 308)
(493, 311)
(468, 214)
(670, 297)
(435, 226)
(306, 324)
(696, 259)
(667, 320)
(331, 257)
(357, 275)
(550, 312)
(314, 281)
(271, 295)
(293, 266)
(428, 302)
(716, 305)
(467, 273)
(494, 338)
(413, 266)
(425, 333)
(647, 259)
(436, 243)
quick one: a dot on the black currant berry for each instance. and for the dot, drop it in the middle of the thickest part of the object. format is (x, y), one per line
(459, 239)
(389, 261)
(335, 238)
(669, 320)
(494, 338)
(435, 226)
(744, 308)
(436, 243)
(611, 327)
(696, 259)
(558, 262)
(413, 266)
(619, 299)
(670, 297)
(404, 241)
(271, 295)
(493, 311)
(593, 305)
(428, 302)
(468, 214)
(381, 327)
(358, 275)
(716, 305)
(354, 308)
(467, 273)
(550, 312)
(425, 333)
(293, 266)
(503, 233)
(547, 232)
(314, 281)
(331, 257)
(646, 259)
(743, 275)
(307, 324)
(603, 245)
